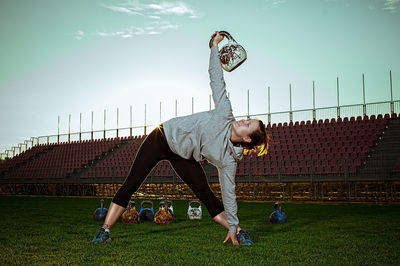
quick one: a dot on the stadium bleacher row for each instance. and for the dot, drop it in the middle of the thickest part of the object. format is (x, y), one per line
(329, 147)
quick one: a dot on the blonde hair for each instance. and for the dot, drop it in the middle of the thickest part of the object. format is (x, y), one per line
(259, 143)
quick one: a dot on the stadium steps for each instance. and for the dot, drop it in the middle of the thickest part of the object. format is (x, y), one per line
(383, 156)
(76, 174)
(31, 158)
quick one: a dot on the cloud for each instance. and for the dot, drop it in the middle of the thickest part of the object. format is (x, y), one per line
(153, 10)
(169, 8)
(155, 17)
(127, 33)
(156, 27)
(165, 25)
(126, 10)
(391, 5)
(79, 35)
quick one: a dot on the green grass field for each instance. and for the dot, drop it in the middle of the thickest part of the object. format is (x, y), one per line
(50, 230)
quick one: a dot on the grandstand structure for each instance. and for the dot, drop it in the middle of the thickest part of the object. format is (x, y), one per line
(340, 158)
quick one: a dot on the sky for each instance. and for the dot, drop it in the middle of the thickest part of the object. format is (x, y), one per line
(61, 58)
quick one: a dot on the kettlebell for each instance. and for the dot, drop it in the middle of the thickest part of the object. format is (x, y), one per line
(278, 216)
(100, 213)
(146, 214)
(130, 216)
(194, 213)
(231, 54)
(163, 216)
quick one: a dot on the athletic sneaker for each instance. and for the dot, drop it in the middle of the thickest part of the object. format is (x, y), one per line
(244, 238)
(102, 237)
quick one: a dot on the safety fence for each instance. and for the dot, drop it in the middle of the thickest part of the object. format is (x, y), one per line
(362, 110)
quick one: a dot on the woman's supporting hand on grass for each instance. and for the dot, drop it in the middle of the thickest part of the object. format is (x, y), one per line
(233, 237)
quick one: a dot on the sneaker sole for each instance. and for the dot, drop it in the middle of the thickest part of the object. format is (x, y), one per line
(102, 242)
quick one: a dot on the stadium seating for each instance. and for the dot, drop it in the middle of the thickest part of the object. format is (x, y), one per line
(323, 147)
(23, 157)
(63, 159)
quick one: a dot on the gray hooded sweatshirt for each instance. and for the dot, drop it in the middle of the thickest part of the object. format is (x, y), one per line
(206, 135)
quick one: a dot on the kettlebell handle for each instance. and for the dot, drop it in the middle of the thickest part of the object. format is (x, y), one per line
(225, 34)
(170, 202)
(162, 203)
(131, 205)
(194, 201)
(146, 201)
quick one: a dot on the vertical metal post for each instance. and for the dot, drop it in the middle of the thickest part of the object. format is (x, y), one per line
(314, 114)
(145, 113)
(117, 122)
(290, 96)
(391, 94)
(80, 127)
(104, 135)
(91, 133)
(130, 131)
(192, 105)
(69, 129)
(337, 92)
(269, 106)
(209, 99)
(58, 134)
(176, 107)
(364, 106)
(145, 119)
(248, 104)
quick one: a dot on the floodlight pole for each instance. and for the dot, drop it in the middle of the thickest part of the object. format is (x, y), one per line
(130, 131)
(364, 106)
(248, 104)
(209, 100)
(117, 122)
(69, 129)
(145, 119)
(58, 131)
(314, 113)
(290, 97)
(269, 106)
(104, 132)
(337, 93)
(391, 94)
(80, 127)
(91, 133)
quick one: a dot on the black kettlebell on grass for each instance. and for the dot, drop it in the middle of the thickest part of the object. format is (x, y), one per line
(101, 213)
(146, 214)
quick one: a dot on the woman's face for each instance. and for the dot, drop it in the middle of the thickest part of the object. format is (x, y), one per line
(244, 128)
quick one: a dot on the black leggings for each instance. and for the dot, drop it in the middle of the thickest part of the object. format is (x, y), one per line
(154, 149)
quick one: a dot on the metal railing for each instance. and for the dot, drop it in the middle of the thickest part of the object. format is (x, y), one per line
(368, 109)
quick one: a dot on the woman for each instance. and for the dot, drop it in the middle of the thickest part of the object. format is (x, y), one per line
(184, 141)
